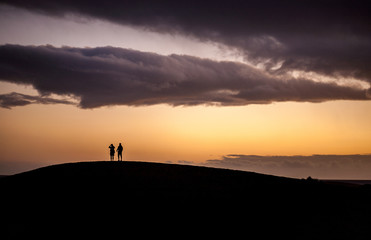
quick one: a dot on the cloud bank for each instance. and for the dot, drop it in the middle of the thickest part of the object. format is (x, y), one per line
(325, 37)
(107, 76)
(318, 166)
(17, 99)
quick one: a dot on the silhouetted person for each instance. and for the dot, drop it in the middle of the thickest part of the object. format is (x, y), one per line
(119, 152)
(112, 152)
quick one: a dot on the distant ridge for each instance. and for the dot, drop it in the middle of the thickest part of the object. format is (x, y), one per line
(348, 181)
(117, 197)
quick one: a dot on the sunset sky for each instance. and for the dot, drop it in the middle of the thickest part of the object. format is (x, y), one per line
(207, 83)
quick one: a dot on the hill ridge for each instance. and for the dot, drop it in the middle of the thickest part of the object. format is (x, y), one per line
(155, 195)
(163, 173)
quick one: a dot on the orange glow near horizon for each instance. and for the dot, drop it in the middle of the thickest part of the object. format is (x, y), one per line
(61, 133)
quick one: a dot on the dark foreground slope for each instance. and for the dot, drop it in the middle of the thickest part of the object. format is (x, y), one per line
(112, 199)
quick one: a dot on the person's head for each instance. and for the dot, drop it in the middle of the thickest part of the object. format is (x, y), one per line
(111, 144)
(120, 144)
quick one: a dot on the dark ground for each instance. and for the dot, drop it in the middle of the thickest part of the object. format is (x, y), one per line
(137, 200)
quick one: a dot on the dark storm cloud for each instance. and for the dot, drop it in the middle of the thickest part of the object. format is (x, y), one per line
(17, 99)
(324, 36)
(319, 166)
(115, 76)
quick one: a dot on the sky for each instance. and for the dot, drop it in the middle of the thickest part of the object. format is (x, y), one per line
(277, 87)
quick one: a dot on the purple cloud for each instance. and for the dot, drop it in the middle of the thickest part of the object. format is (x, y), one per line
(115, 76)
(17, 99)
(326, 37)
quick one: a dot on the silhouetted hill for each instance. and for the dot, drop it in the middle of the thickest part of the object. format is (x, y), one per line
(78, 200)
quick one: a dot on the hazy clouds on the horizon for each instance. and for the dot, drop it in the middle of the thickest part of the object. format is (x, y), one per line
(317, 166)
